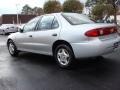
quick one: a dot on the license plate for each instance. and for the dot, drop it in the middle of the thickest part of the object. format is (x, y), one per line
(108, 37)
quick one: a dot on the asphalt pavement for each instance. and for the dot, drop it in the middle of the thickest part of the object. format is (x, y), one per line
(38, 72)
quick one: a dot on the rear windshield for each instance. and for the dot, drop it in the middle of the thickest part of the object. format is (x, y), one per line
(76, 19)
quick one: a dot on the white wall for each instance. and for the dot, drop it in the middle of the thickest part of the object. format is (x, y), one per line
(118, 18)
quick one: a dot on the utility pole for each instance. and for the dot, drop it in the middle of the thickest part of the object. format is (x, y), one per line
(17, 14)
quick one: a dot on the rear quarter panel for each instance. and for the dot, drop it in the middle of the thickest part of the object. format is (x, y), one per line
(76, 33)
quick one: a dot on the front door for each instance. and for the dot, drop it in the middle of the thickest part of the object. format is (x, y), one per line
(25, 38)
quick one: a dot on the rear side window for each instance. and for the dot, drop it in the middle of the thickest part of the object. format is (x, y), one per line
(47, 22)
(76, 19)
(55, 24)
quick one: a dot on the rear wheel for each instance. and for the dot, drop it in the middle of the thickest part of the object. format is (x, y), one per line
(12, 48)
(64, 56)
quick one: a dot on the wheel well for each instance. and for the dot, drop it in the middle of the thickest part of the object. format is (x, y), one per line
(8, 41)
(60, 42)
(4, 31)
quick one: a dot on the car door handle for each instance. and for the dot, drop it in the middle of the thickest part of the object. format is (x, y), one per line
(54, 34)
(30, 35)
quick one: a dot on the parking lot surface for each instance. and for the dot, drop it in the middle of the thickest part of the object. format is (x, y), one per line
(38, 72)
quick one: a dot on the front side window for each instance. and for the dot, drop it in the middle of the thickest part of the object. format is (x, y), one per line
(76, 19)
(45, 23)
(31, 25)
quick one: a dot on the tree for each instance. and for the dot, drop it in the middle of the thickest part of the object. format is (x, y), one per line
(115, 9)
(72, 6)
(97, 11)
(32, 11)
(26, 10)
(102, 8)
(52, 6)
(37, 11)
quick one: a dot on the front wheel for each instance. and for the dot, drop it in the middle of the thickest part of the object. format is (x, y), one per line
(4, 33)
(12, 48)
(64, 56)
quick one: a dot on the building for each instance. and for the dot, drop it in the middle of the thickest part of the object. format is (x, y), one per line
(12, 18)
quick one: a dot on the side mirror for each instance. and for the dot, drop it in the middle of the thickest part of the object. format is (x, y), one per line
(20, 30)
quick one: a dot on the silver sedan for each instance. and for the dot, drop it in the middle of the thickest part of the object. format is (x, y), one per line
(65, 36)
(8, 28)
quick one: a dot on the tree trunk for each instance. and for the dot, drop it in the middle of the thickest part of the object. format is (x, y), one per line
(115, 12)
(115, 15)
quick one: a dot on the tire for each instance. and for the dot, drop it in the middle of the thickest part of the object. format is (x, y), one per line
(12, 48)
(99, 57)
(64, 56)
(4, 33)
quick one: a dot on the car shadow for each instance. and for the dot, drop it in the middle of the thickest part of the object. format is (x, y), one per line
(35, 59)
(90, 67)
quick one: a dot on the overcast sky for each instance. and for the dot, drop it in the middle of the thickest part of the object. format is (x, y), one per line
(10, 6)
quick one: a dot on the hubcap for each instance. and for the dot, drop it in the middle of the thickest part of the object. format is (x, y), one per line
(3, 32)
(63, 56)
(11, 48)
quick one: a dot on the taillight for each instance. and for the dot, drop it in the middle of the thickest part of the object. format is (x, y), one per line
(101, 32)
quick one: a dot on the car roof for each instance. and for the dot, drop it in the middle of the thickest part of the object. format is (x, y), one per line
(59, 13)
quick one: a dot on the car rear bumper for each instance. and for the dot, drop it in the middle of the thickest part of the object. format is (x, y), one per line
(94, 48)
(11, 31)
